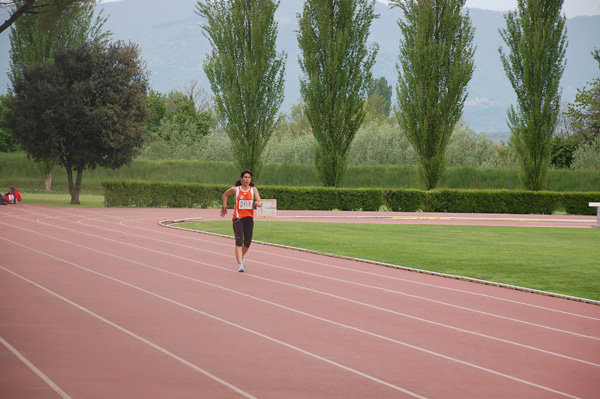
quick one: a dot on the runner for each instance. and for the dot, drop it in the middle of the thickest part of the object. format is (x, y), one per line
(243, 214)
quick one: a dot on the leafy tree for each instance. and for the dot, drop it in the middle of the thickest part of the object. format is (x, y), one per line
(84, 110)
(35, 37)
(7, 141)
(562, 152)
(585, 111)
(245, 72)
(381, 88)
(436, 64)
(336, 64)
(295, 124)
(48, 9)
(536, 38)
(587, 156)
(157, 110)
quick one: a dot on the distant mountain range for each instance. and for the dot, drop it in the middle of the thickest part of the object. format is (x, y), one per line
(174, 47)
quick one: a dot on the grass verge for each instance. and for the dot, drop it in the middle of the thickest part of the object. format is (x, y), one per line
(64, 200)
(558, 260)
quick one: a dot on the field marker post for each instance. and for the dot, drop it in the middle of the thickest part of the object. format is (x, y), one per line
(597, 205)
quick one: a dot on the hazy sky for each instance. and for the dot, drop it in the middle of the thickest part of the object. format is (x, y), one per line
(572, 8)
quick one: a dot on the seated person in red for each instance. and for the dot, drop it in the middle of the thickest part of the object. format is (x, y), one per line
(13, 196)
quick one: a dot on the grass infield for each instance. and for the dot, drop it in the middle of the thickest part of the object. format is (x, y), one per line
(559, 260)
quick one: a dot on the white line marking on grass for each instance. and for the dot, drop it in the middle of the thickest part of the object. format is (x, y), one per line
(33, 368)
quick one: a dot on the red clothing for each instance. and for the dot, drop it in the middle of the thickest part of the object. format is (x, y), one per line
(244, 203)
(13, 198)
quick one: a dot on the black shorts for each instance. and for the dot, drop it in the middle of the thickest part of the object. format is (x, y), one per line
(243, 229)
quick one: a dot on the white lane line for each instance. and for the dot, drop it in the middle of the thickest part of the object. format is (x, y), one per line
(331, 295)
(178, 358)
(132, 334)
(328, 278)
(417, 348)
(313, 291)
(371, 273)
(36, 370)
(121, 222)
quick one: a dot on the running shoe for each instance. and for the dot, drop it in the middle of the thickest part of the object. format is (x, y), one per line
(241, 268)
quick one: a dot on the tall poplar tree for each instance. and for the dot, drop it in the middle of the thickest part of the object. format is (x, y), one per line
(245, 73)
(336, 63)
(535, 35)
(436, 65)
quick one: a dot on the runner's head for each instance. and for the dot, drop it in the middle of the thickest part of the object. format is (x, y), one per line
(245, 174)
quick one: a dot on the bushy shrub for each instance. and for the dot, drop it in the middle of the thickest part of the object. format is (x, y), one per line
(578, 203)
(381, 144)
(491, 201)
(291, 149)
(467, 148)
(404, 200)
(587, 156)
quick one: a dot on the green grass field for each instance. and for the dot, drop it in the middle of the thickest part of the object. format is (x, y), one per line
(560, 260)
(64, 200)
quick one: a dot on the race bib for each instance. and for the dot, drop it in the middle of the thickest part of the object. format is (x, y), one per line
(245, 204)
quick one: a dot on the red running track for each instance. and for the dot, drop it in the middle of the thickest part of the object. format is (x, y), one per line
(105, 303)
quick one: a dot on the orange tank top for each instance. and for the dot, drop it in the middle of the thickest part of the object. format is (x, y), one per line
(244, 201)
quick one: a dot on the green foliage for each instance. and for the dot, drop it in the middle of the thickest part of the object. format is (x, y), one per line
(404, 200)
(7, 141)
(467, 148)
(492, 201)
(293, 125)
(436, 64)
(176, 129)
(587, 156)
(158, 194)
(157, 110)
(49, 10)
(245, 72)
(336, 65)
(382, 88)
(36, 37)
(170, 194)
(379, 101)
(578, 203)
(82, 111)
(19, 171)
(562, 152)
(381, 144)
(585, 112)
(287, 150)
(536, 38)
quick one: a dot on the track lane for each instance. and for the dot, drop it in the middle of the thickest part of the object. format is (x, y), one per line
(261, 268)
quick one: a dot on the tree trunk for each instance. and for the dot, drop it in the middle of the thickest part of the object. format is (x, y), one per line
(48, 181)
(74, 188)
(17, 14)
(77, 188)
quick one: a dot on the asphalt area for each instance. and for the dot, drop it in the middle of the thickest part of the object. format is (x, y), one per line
(110, 303)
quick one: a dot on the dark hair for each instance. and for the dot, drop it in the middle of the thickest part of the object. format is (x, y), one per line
(239, 182)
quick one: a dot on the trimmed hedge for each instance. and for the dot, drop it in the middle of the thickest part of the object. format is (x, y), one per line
(194, 195)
